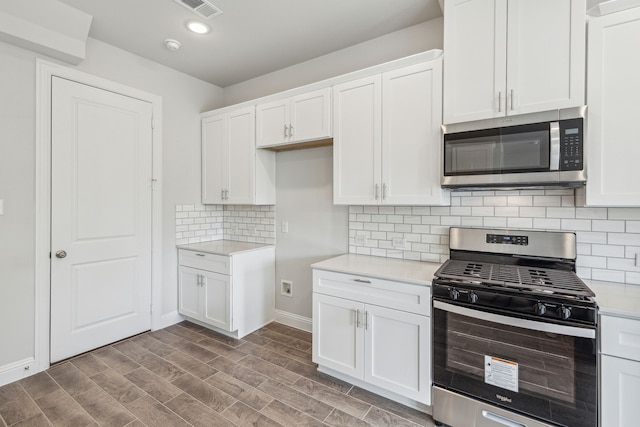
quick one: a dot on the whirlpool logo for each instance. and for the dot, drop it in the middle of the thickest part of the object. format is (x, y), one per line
(503, 398)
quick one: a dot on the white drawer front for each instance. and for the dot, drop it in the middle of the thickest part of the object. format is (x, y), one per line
(204, 261)
(370, 290)
(620, 337)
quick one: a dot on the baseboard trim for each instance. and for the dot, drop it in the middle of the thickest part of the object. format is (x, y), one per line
(168, 319)
(17, 370)
(293, 320)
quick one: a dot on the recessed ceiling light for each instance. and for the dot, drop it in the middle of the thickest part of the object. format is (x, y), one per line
(198, 27)
(172, 44)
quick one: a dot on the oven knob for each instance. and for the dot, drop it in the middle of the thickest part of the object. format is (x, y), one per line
(473, 297)
(454, 294)
(564, 312)
(540, 309)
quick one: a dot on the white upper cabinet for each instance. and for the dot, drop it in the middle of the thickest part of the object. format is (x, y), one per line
(301, 118)
(613, 90)
(233, 171)
(387, 138)
(507, 57)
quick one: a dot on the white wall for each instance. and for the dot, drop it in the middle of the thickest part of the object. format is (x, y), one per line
(409, 41)
(317, 228)
(183, 98)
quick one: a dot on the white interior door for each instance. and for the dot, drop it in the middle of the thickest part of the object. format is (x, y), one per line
(101, 200)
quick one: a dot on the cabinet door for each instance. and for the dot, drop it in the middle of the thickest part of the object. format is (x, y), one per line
(311, 116)
(271, 119)
(620, 384)
(398, 352)
(189, 292)
(240, 156)
(217, 297)
(545, 55)
(613, 90)
(411, 120)
(356, 141)
(475, 40)
(338, 341)
(213, 142)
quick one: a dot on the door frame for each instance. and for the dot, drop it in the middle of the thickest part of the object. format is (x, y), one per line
(45, 71)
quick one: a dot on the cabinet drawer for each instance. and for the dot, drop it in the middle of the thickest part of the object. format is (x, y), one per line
(204, 261)
(620, 337)
(370, 290)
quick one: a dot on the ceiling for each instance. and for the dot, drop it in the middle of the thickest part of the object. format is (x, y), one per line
(251, 37)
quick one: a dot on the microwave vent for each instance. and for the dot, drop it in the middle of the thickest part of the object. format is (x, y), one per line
(202, 8)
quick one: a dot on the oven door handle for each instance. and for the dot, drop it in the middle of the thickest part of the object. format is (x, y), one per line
(517, 322)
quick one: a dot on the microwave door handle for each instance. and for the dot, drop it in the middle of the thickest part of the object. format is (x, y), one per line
(554, 146)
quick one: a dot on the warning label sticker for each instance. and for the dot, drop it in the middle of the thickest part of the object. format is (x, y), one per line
(500, 372)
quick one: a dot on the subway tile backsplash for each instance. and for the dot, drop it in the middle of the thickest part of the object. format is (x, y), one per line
(203, 223)
(608, 239)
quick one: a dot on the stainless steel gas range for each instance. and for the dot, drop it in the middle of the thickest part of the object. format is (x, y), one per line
(514, 332)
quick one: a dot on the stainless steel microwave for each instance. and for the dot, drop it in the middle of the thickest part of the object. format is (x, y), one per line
(539, 149)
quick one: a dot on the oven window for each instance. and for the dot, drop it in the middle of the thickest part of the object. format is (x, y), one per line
(548, 376)
(544, 362)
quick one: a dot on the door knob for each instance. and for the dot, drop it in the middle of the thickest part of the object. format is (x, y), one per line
(61, 254)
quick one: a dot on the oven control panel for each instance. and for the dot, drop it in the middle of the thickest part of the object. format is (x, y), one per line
(508, 239)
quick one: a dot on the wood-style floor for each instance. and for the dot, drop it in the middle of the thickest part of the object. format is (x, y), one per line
(186, 375)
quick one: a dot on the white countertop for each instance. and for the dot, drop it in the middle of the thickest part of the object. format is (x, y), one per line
(416, 272)
(616, 299)
(224, 247)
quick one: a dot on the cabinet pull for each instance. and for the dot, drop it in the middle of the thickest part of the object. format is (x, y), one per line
(512, 107)
(384, 191)
(199, 254)
(290, 131)
(226, 194)
(366, 320)
(222, 194)
(199, 280)
(362, 281)
(500, 102)
(377, 191)
(357, 318)
(285, 130)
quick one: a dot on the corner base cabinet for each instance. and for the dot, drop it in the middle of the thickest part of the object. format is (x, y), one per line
(619, 370)
(232, 294)
(374, 331)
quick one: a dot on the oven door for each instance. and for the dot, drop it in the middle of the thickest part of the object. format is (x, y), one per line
(541, 370)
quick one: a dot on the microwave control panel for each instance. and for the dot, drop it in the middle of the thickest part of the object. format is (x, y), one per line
(571, 144)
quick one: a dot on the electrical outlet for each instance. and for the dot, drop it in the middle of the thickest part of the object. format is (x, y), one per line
(399, 243)
(285, 226)
(361, 239)
(286, 288)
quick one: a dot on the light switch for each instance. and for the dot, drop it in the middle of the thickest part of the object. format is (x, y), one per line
(285, 226)
(1, 206)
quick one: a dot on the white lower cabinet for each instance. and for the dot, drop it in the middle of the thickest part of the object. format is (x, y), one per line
(234, 294)
(355, 334)
(619, 371)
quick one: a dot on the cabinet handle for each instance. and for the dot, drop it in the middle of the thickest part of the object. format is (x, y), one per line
(221, 194)
(199, 280)
(377, 192)
(362, 281)
(226, 194)
(500, 102)
(357, 318)
(199, 254)
(366, 320)
(512, 105)
(384, 191)
(285, 130)
(290, 131)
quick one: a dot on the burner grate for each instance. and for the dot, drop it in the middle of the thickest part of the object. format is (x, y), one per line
(522, 277)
